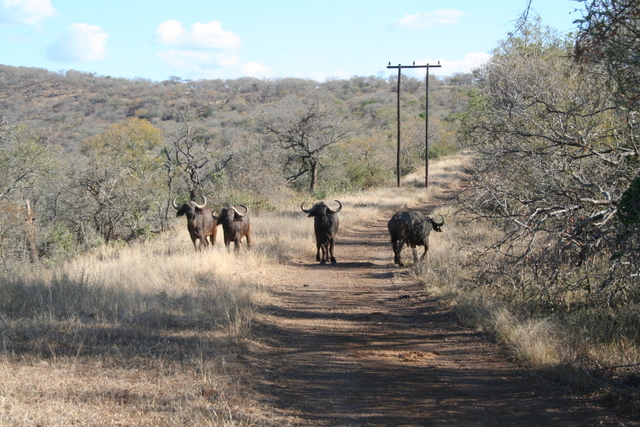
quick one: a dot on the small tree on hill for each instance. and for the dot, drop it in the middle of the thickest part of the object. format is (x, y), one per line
(305, 129)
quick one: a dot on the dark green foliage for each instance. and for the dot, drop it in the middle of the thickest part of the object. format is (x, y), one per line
(629, 206)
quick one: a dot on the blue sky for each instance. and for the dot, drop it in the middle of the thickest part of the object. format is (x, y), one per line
(209, 39)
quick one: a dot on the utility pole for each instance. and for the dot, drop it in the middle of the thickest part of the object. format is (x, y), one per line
(426, 117)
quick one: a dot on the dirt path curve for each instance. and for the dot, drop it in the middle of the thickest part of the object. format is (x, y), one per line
(359, 344)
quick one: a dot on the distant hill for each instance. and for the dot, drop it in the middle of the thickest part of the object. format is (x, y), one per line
(67, 107)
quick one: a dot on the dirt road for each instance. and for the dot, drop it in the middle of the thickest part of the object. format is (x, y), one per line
(361, 344)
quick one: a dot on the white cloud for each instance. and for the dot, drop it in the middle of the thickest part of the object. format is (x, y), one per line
(30, 12)
(423, 20)
(253, 69)
(208, 65)
(79, 43)
(200, 36)
(470, 61)
(466, 65)
(204, 51)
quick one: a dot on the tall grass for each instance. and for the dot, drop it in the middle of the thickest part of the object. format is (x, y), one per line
(145, 335)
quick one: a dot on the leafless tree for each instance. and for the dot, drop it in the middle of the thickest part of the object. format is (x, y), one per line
(192, 155)
(305, 129)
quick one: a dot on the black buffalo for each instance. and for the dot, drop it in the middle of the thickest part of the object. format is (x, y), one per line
(411, 228)
(199, 222)
(235, 226)
(325, 224)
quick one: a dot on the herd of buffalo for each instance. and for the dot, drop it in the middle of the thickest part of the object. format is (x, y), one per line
(410, 228)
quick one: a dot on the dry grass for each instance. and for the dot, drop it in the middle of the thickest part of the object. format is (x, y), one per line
(590, 347)
(456, 276)
(146, 335)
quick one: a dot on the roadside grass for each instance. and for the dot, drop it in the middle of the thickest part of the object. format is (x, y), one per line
(141, 335)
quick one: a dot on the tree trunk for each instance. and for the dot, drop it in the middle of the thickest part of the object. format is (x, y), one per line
(31, 235)
(313, 170)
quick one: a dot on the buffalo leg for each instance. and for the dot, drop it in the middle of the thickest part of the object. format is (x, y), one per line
(325, 253)
(202, 242)
(424, 254)
(397, 249)
(415, 254)
(330, 252)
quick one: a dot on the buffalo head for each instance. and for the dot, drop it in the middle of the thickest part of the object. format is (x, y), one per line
(189, 208)
(319, 209)
(230, 214)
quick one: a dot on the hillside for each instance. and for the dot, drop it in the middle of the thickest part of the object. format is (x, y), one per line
(70, 106)
(78, 139)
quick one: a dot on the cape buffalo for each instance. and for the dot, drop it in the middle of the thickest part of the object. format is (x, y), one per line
(235, 226)
(199, 222)
(325, 224)
(411, 228)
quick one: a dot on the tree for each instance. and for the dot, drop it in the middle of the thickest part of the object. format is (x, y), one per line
(120, 179)
(23, 162)
(305, 129)
(609, 39)
(193, 155)
(553, 164)
(609, 35)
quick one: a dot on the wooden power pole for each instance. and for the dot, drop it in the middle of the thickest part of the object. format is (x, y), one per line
(426, 117)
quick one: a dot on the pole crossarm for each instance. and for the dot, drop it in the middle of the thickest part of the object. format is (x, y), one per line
(426, 131)
(414, 66)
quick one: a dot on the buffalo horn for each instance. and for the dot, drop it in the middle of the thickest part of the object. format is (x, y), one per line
(174, 204)
(305, 210)
(204, 204)
(246, 210)
(339, 207)
(439, 224)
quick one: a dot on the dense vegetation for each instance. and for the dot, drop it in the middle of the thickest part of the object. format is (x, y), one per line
(99, 158)
(554, 122)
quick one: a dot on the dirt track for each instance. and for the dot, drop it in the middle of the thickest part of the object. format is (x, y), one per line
(360, 344)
